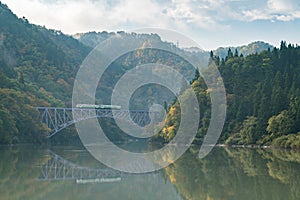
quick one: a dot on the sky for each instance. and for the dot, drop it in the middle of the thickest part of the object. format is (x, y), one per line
(210, 23)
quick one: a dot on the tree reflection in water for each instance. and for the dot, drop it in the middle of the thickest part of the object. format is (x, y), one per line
(226, 173)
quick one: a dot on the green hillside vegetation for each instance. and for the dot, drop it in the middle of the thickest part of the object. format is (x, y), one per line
(37, 68)
(263, 97)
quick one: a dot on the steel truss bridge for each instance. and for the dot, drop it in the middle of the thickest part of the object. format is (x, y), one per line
(58, 168)
(57, 119)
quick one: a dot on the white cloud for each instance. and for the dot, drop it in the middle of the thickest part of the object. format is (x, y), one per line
(252, 15)
(275, 10)
(281, 5)
(73, 16)
(204, 14)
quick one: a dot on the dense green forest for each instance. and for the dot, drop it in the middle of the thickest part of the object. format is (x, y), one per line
(264, 107)
(263, 99)
(38, 67)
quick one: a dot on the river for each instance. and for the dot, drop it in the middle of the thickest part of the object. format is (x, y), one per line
(60, 172)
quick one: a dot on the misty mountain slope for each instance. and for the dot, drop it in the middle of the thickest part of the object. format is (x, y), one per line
(252, 48)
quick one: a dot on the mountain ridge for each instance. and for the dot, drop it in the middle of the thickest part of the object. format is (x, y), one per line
(245, 50)
(93, 38)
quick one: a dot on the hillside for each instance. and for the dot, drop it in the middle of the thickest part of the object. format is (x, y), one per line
(263, 102)
(37, 68)
(135, 58)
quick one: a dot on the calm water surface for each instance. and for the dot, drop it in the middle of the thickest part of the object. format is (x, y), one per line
(28, 172)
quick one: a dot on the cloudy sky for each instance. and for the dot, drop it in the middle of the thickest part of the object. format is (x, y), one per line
(211, 23)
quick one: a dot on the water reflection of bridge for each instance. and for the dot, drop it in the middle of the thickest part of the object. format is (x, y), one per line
(58, 168)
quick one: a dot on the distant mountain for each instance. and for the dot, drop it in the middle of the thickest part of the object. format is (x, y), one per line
(194, 50)
(138, 57)
(91, 39)
(252, 48)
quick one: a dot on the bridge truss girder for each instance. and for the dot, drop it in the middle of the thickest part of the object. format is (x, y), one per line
(57, 119)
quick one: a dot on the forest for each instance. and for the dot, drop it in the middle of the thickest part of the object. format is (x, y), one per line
(38, 67)
(263, 99)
